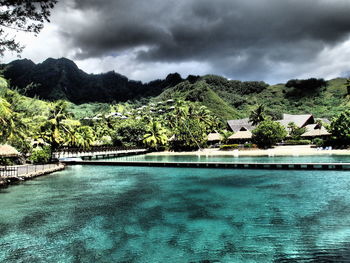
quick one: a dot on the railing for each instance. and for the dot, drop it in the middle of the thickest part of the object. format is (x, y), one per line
(71, 152)
(97, 149)
(22, 170)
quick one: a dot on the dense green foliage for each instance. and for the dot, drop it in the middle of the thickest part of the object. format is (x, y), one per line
(295, 132)
(268, 133)
(340, 128)
(33, 126)
(201, 92)
(41, 155)
(156, 135)
(228, 147)
(129, 133)
(225, 99)
(258, 115)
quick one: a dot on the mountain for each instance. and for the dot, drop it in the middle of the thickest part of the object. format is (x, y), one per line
(237, 99)
(61, 79)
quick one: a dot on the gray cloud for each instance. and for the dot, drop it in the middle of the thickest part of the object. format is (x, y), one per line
(237, 38)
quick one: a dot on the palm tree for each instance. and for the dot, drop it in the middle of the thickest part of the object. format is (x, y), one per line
(257, 115)
(225, 136)
(7, 125)
(155, 136)
(82, 136)
(204, 115)
(12, 124)
(5, 111)
(58, 113)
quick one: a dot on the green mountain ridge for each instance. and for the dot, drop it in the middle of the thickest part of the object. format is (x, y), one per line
(227, 99)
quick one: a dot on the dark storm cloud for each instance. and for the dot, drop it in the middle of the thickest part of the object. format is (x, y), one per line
(237, 37)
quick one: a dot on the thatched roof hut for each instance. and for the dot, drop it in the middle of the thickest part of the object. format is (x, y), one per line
(241, 135)
(214, 137)
(300, 120)
(315, 130)
(240, 125)
(8, 151)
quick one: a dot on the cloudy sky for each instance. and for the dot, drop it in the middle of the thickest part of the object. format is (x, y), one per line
(270, 40)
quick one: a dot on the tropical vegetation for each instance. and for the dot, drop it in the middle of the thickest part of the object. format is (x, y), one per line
(178, 115)
(268, 133)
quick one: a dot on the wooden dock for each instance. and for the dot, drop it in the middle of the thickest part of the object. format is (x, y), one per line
(102, 154)
(221, 165)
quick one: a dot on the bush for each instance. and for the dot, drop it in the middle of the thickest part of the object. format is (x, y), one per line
(227, 147)
(41, 155)
(248, 145)
(340, 129)
(318, 142)
(297, 142)
(268, 133)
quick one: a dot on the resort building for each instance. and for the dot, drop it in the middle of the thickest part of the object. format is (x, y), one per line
(315, 130)
(242, 128)
(241, 137)
(214, 138)
(307, 121)
(240, 125)
(7, 152)
(300, 121)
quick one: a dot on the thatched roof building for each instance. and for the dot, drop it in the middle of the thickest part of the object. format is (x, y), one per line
(8, 151)
(300, 120)
(240, 125)
(241, 135)
(315, 130)
(214, 137)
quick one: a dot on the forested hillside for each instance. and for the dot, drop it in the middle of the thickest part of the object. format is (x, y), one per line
(237, 99)
(61, 79)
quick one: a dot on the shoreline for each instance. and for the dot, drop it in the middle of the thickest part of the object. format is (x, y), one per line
(304, 150)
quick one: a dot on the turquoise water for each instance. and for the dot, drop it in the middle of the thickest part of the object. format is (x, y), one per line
(138, 214)
(243, 159)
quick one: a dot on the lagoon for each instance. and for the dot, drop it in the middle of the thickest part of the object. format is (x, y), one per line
(144, 214)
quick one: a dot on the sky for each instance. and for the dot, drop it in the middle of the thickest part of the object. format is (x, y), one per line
(269, 40)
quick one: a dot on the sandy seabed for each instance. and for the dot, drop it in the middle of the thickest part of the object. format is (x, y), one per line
(295, 150)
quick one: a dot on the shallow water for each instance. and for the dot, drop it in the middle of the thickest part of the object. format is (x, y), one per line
(137, 214)
(243, 159)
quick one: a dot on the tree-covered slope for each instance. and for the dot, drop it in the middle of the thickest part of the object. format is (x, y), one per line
(238, 98)
(201, 92)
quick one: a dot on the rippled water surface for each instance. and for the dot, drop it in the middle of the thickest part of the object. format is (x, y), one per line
(135, 214)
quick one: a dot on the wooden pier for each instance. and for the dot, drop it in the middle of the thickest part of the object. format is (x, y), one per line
(221, 165)
(89, 155)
